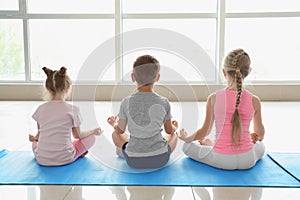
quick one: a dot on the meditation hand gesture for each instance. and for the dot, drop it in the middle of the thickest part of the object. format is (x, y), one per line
(112, 120)
(255, 137)
(183, 135)
(175, 124)
(32, 138)
(97, 131)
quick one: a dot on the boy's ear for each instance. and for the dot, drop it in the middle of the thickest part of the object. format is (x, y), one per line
(132, 77)
(157, 77)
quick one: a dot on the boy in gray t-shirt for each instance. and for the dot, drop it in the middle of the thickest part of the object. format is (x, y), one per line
(145, 112)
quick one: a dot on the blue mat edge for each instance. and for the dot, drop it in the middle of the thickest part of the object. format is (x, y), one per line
(172, 185)
(3, 152)
(281, 166)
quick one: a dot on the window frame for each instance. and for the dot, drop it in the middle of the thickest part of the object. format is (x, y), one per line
(220, 16)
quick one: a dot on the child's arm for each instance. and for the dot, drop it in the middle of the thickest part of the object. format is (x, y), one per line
(33, 138)
(259, 130)
(119, 126)
(82, 134)
(170, 126)
(207, 125)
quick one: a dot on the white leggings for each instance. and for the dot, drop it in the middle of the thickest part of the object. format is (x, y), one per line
(207, 155)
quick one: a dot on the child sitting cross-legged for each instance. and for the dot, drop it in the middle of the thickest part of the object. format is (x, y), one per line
(144, 112)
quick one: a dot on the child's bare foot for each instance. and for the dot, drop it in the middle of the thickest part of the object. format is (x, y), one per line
(119, 152)
(112, 120)
(84, 154)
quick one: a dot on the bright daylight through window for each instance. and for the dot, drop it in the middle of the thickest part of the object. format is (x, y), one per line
(36, 33)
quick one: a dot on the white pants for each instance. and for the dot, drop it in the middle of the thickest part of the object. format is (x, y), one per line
(207, 155)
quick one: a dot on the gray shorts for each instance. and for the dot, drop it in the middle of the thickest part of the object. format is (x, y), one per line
(148, 162)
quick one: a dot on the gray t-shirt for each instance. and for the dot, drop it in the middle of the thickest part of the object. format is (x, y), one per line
(145, 113)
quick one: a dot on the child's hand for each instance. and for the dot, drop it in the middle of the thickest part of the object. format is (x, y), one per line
(206, 141)
(182, 135)
(112, 120)
(32, 138)
(97, 131)
(175, 124)
(254, 137)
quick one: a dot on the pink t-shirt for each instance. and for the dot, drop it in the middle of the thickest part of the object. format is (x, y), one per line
(223, 110)
(56, 119)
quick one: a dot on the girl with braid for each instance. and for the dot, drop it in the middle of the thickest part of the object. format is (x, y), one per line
(232, 109)
(56, 121)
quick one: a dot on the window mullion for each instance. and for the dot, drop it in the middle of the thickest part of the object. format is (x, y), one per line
(220, 38)
(118, 41)
(23, 10)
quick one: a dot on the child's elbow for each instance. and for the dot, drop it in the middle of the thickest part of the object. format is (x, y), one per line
(169, 131)
(76, 136)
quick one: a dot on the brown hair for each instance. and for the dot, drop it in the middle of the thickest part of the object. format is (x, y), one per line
(237, 65)
(145, 69)
(57, 80)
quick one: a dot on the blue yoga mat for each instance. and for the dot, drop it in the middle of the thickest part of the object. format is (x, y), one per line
(20, 167)
(3, 152)
(288, 161)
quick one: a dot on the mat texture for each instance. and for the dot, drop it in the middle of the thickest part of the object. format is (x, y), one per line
(20, 167)
(288, 161)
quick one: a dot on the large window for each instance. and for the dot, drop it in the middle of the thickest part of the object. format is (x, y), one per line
(176, 68)
(12, 65)
(70, 6)
(272, 43)
(268, 31)
(66, 42)
(37, 33)
(9, 5)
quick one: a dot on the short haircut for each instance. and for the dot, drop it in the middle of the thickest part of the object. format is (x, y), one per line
(146, 69)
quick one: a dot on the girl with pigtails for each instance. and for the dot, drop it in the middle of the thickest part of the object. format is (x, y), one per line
(57, 121)
(231, 109)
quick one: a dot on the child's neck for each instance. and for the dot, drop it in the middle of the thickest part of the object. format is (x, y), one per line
(145, 88)
(59, 96)
(231, 86)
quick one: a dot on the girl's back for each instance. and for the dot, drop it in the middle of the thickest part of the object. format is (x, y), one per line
(56, 119)
(223, 110)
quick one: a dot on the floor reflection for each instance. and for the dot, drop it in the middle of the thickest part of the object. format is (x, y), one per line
(229, 193)
(145, 193)
(60, 192)
(117, 192)
(65, 192)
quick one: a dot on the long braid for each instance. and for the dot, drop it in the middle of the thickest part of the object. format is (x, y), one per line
(238, 76)
(235, 120)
